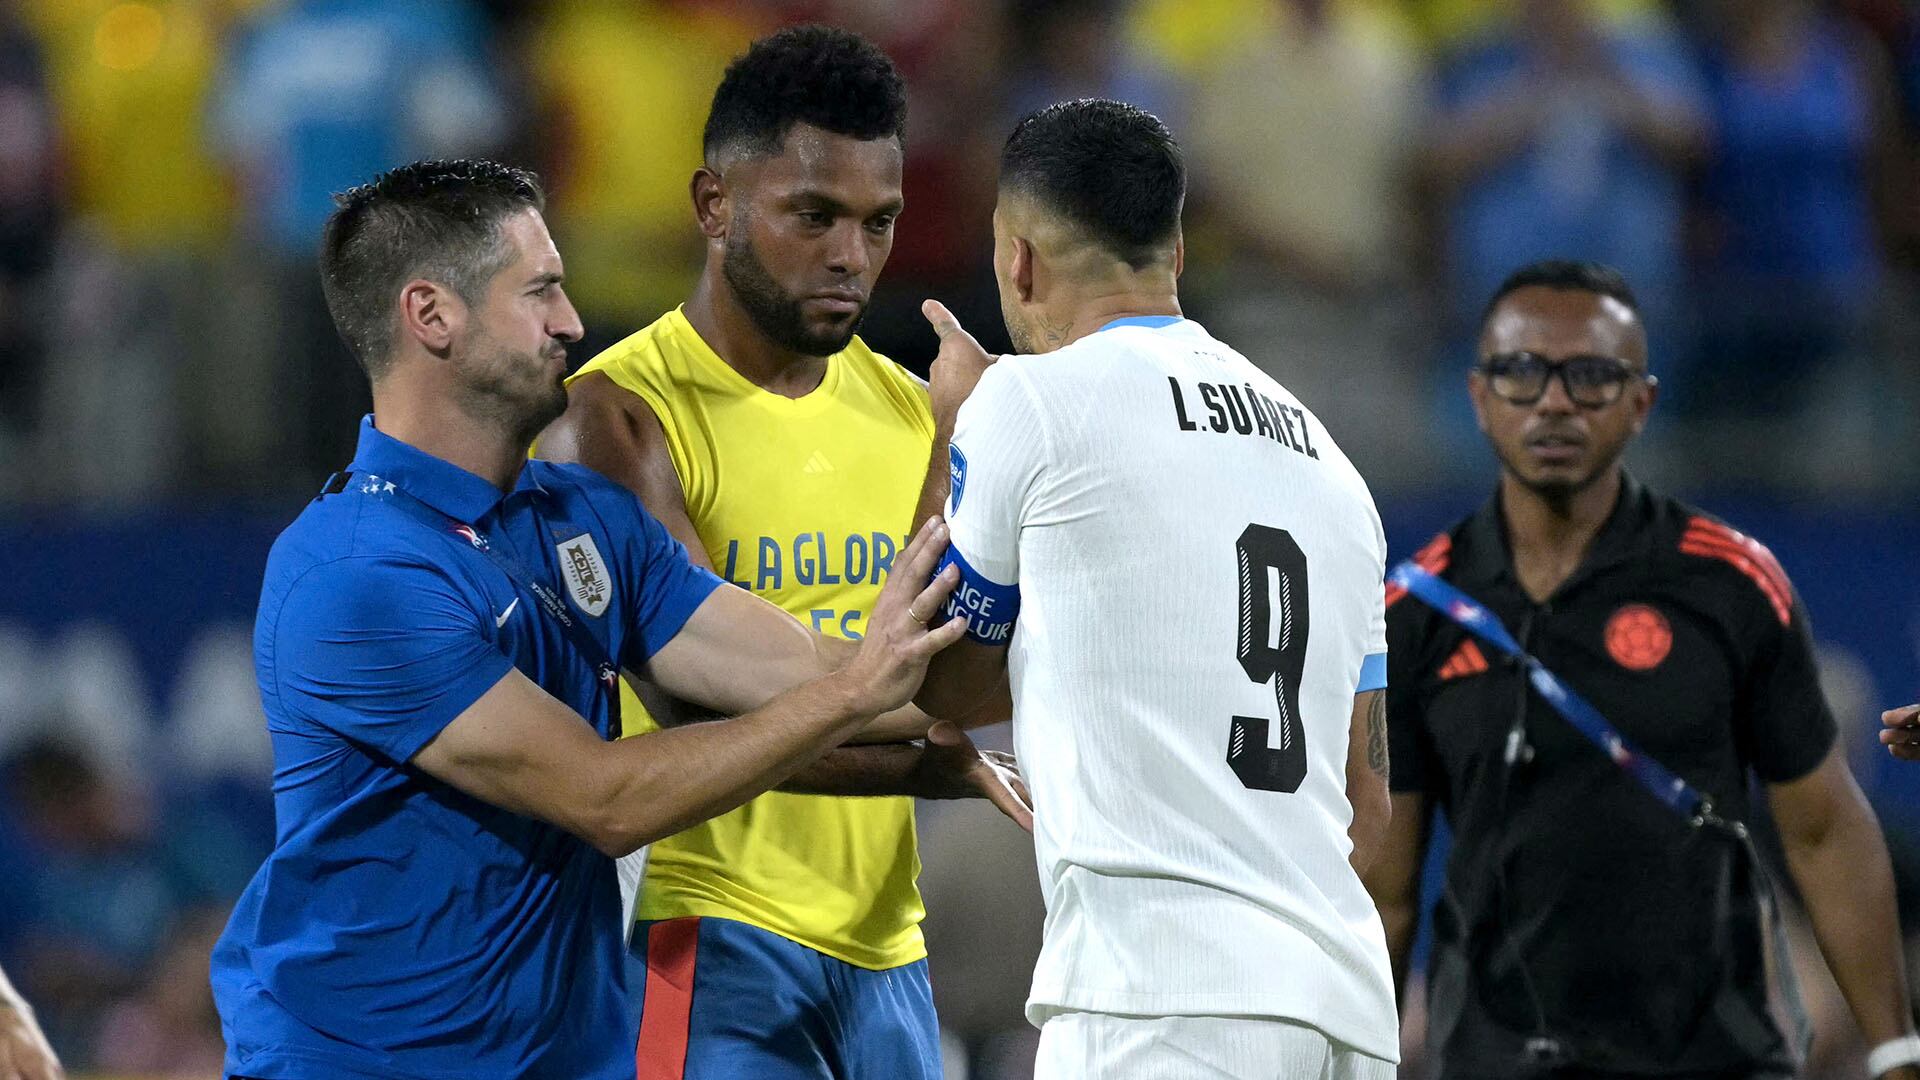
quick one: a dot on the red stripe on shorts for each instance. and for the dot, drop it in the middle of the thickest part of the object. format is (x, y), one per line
(666, 1010)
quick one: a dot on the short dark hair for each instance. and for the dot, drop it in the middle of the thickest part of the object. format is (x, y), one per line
(1110, 168)
(432, 219)
(1565, 275)
(832, 79)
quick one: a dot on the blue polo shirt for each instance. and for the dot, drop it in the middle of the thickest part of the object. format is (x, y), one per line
(403, 929)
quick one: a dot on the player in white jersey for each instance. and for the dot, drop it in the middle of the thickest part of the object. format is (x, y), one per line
(1182, 573)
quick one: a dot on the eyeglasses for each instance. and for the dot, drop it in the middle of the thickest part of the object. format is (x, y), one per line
(1592, 382)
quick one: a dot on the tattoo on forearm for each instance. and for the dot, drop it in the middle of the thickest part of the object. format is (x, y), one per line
(1377, 735)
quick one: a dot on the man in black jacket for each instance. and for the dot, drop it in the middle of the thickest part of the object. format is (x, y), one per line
(1588, 927)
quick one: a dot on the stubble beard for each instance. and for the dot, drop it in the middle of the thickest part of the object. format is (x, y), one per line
(774, 313)
(1017, 332)
(498, 388)
(1559, 490)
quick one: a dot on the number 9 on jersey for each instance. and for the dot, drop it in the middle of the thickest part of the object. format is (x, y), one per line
(1273, 648)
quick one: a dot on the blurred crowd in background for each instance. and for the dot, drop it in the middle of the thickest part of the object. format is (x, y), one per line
(1364, 172)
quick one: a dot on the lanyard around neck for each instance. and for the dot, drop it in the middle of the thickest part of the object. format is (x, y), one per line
(1662, 783)
(548, 599)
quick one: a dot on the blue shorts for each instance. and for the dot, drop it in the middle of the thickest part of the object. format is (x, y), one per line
(724, 1000)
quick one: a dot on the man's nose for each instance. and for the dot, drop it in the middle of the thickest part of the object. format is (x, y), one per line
(1556, 398)
(565, 323)
(849, 254)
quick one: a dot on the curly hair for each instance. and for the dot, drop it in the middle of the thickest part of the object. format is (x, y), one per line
(832, 79)
(434, 219)
(1111, 169)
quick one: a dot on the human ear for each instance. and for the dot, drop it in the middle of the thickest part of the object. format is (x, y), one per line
(711, 204)
(431, 314)
(1021, 269)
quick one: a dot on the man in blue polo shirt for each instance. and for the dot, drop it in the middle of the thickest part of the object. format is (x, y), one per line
(432, 631)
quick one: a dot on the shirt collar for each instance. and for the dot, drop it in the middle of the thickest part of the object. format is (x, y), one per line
(1485, 556)
(1152, 322)
(439, 483)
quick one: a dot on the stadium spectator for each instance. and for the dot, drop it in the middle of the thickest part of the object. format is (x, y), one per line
(1448, 25)
(1557, 131)
(1598, 916)
(1802, 115)
(1314, 191)
(1186, 37)
(148, 212)
(131, 85)
(313, 97)
(1078, 50)
(168, 1029)
(88, 899)
(622, 86)
(1310, 207)
(956, 57)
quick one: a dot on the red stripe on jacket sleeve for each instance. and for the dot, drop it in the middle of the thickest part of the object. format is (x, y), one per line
(1711, 540)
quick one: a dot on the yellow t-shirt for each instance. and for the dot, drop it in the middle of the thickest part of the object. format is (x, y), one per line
(806, 502)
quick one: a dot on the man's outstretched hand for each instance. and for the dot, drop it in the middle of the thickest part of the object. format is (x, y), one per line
(958, 366)
(1902, 733)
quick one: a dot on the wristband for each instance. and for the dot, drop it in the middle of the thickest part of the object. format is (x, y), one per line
(1894, 1053)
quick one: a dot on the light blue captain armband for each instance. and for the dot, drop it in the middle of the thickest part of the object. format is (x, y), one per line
(990, 607)
(1373, 673)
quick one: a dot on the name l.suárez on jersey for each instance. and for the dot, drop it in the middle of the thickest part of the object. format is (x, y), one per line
(1242, 410)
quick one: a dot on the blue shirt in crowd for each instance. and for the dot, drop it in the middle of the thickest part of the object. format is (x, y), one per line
(401, 928)
(1582, 186)
(319, 95)
(1789, 185)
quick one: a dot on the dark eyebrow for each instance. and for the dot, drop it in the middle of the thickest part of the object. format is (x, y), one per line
(824, 201)
(819, 200)
(551, 277)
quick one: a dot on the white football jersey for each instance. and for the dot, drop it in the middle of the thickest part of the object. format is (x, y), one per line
(1188, 573)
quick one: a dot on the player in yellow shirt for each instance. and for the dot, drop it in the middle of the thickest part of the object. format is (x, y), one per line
(782, 941)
